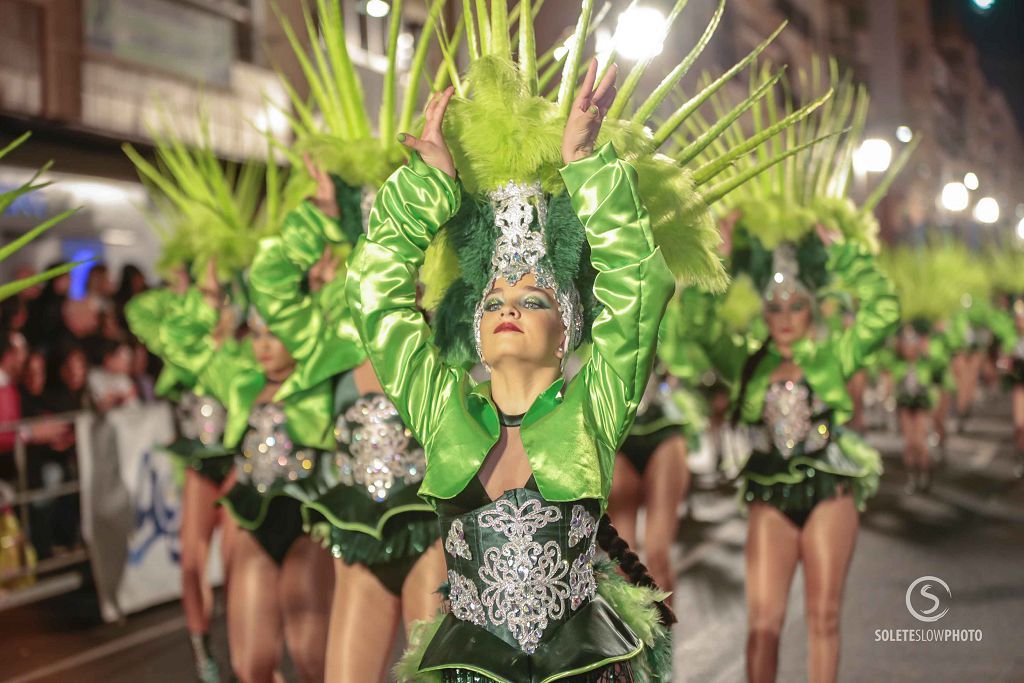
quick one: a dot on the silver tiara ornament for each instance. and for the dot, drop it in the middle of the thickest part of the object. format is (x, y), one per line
(520, 250)
(785, 281)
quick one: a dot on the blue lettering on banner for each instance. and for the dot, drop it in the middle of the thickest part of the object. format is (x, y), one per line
(157, 512)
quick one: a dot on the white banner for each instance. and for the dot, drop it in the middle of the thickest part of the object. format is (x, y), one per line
(131, 504)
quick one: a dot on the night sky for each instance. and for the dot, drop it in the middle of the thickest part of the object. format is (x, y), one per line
(999, 35)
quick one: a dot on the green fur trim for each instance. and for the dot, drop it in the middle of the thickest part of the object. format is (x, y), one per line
(750, 256)
(635, 605)
(420, 635)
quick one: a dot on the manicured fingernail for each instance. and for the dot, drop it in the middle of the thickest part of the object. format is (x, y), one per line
(401, 137)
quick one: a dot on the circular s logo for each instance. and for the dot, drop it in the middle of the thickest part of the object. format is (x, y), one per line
(922, 591)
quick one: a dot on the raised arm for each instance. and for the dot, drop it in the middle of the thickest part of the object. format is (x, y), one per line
(146, 314)
(410, 207)
(878, 311)
(316, 328)
(187, 338)
(633, 285)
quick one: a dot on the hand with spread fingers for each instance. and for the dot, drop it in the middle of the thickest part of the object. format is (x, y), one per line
(323, 197)
(587, 113)
(431, 144)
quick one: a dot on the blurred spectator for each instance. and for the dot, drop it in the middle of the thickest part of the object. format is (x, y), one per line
(29, 293)
(110, 384)
(45, 319)
(33, 385)
(132, 282)
(13, 314)
(66, 375)
(144, 382)
(13, 355)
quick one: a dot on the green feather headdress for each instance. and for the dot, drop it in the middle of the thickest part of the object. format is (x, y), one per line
(334, 125)
(1006, 269)
(9, 289)
(506, 123)
(929, 281)
(207, 208)
(787, 203)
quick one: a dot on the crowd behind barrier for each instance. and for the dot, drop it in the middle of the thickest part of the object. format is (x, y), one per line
(82, 496)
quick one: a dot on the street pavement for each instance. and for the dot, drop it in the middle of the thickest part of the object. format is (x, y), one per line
(968, 531)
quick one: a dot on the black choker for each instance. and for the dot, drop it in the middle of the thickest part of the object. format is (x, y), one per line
(510, 420)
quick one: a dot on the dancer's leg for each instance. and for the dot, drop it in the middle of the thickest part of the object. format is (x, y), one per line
(625, 498)
(420, 599)
(666, 482)
(773, 548)
(304, 591)
(363, 612)
(254, 614)
(826, 547)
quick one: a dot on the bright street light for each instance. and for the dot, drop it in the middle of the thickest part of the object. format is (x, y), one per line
(955, 197)
(971, 181)
(984, 5)
(873, 156)
(377, 8)
(904, 134)
(986, 210)
(640, 33)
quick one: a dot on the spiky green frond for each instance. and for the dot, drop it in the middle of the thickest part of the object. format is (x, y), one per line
(205, 208)
(333, 125)
(7, 198)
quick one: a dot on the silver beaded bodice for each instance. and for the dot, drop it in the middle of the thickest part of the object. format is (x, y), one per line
(268, 454)
(375, 449)
(521, 566)
(201, 418)
(790, 420)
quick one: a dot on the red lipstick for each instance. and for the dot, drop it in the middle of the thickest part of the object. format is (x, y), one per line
(507, 327)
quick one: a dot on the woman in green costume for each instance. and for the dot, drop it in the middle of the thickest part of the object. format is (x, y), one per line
(205, 209)
(806, 476)
(555, 242)
(384, 538)
(207, 466)
(277, 391)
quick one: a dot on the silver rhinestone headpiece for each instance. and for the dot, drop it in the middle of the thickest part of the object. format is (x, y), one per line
(785, 282)
(520, 249)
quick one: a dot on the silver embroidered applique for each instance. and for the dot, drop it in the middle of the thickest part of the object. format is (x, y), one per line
(582, 526)
(268, 453)
(202, 418)
(525, 581)
(519, 248)
(374, 448)
(787, 412)
(582, 582)
(455, 542)
(465, 599)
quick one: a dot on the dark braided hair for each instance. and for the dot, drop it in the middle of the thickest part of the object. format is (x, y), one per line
(613, 544)
(748, 372)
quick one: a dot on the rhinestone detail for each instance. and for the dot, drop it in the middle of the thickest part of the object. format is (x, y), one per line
(375, 450)
(455, 542)
(787, 412)
(582, 526)
(202, 418)
(268, 453)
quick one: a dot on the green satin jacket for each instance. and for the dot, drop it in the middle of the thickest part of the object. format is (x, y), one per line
(322, 343)
(146, 313)
(828, 364)
(571, 432)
